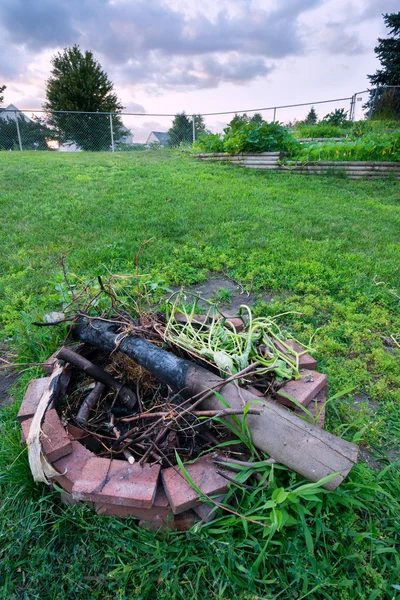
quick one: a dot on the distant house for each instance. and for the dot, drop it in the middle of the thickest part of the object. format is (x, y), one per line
(158, 137)
(11, 112)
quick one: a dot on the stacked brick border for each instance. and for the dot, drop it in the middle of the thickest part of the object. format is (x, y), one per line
(157, 498)
(271, 161)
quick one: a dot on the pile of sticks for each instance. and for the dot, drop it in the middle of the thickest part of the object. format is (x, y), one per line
(124, 421)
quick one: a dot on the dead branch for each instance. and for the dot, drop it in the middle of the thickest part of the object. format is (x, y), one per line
(89, 403)
(126, 395)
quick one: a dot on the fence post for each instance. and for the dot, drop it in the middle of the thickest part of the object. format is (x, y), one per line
(18, 131)
(194, 129)
(274, 114)
(112, 133)
(373, 102)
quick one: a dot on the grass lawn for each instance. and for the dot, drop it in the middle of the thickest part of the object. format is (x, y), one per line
(316, 245)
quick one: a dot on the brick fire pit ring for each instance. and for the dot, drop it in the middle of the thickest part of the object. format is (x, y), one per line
(159, 498)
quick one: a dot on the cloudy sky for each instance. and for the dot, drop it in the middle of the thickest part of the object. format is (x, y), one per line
(172, 55)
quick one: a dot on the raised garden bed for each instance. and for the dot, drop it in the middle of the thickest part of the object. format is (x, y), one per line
(272, 161)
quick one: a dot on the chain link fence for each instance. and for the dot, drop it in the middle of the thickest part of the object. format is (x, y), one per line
(65, 131)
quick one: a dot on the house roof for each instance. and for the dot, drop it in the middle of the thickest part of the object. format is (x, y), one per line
(161, 136)
(9, 112)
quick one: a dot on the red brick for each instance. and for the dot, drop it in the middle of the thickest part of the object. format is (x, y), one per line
(207, 512)
(195, 320)
(55, 441)
(160, 510)
(48, 365)
(180, 493)
(25, 426)
(181, 522)
(305, 360)
(117, 482)
(303, 389)
(234, 322)
(71, 466)
(88, 440)
(32, 397)
(318, 407)
(76, 433)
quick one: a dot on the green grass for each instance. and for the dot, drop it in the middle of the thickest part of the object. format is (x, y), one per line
(315, 245)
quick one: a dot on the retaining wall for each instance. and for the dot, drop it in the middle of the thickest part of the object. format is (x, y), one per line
(271, 161)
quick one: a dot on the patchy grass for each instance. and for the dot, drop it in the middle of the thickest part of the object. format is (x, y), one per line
(315, 245)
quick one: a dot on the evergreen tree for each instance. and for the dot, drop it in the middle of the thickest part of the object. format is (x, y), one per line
(311, 118)
(2, 88)
(181, 131)
(78, 83)
(385, 103)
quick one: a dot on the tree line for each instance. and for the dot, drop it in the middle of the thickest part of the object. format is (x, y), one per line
(78, 83)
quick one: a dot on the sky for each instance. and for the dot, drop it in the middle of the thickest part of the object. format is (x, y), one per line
(168, 56)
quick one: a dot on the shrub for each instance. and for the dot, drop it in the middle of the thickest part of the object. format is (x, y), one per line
(209, 142)
(245, 134)
(321, 130)
(337, 117)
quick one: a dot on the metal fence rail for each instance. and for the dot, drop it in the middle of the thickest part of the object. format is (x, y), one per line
(74, 131)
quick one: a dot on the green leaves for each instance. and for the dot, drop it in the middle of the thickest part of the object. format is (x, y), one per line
(244, 134)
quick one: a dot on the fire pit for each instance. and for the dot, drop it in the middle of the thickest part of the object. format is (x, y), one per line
(152, 415)
(135, 479)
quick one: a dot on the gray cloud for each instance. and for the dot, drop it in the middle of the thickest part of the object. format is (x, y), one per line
(373, 9)
(338, 41)
(152, 43)
(37, 25)
(193, 73)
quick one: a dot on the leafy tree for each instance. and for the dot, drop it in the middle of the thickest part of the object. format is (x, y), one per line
(181, 131)
(385, 103)
(338, 117)
(311, 118)
(34, 133)
(2, 88)
(78, 83)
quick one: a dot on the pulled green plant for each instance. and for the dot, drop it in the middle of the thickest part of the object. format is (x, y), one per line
(261, 340)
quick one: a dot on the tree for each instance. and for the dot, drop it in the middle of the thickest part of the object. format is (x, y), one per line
(2, 88)
(338, 117)
(181, 131)
(78, 83)
(385, 103)
(311, 118)
(33, 133)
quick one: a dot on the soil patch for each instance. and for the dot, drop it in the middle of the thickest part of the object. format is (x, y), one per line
(226, 293)
(6, 383)
(7, 379)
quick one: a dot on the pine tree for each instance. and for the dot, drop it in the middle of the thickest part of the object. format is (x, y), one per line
(78, 83)
(385, 103)
(2, 88)
(311, 118)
